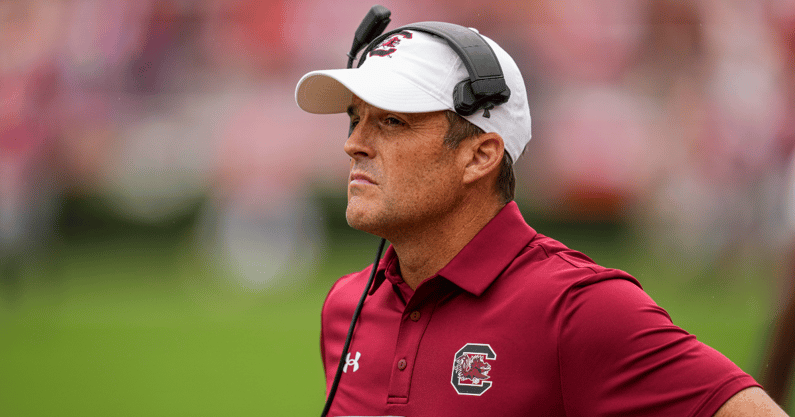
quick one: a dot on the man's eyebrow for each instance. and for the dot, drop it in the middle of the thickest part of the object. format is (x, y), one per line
(352, 110)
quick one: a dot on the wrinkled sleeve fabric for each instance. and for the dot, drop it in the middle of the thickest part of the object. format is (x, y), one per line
(621, 355)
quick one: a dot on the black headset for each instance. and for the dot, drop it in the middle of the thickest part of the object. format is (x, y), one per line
(483, 90)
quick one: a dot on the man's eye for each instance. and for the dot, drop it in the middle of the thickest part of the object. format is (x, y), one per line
(354, 122)
(393, 121)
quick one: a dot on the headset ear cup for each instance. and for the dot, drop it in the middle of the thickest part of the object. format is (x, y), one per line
(464, 98)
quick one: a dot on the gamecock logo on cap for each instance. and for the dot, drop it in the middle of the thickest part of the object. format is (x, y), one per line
(471, 369)
(389, 45)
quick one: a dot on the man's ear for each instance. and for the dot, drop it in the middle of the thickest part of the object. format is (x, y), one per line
(484, 156)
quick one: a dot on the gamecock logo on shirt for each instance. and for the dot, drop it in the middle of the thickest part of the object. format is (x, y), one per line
(471, 369)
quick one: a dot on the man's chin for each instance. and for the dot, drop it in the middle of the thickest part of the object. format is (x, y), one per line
(362, 219)
(358, 221)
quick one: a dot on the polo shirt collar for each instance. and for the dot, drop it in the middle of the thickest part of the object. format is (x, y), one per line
(482, 260)
(387, 266)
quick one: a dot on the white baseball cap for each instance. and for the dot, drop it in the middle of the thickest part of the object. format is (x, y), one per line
(417, 74)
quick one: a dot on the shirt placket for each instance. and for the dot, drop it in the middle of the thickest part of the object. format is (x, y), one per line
(413, 324)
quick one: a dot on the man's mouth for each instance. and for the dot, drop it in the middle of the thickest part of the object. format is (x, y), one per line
(360, 178)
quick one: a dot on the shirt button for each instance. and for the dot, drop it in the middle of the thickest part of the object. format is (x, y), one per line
(415, 315)
(402, 364)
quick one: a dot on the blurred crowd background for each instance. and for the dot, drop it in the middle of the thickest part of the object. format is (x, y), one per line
(678, 114)
(674, 116)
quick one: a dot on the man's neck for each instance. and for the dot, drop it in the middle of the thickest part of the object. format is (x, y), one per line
(422, 253)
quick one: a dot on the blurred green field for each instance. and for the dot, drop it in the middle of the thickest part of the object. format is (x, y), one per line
(133, 321)
(140, 333)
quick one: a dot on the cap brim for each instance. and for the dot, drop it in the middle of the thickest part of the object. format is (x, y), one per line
(331, 91)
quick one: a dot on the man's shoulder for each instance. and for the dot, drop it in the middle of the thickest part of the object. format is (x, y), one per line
(545, 250)
(349, 287)
(553, 262)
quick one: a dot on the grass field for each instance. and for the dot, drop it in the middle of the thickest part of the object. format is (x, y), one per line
(114, 325)
(152, 341)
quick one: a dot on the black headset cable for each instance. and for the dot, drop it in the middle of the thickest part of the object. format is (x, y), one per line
(347, 345)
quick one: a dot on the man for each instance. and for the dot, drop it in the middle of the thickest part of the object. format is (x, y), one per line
(472, 312)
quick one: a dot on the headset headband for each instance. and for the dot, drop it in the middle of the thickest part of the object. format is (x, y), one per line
(486, 86)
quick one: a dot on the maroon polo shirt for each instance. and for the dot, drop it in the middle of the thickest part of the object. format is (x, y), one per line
(517, 324)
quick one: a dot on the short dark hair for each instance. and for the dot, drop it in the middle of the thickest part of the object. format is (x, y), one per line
(460, 129)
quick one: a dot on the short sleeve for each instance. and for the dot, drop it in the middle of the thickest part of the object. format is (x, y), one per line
(620, 354)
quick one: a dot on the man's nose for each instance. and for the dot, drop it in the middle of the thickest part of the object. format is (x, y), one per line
(359, 143)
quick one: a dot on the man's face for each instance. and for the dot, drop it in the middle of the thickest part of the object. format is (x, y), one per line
(402, 175)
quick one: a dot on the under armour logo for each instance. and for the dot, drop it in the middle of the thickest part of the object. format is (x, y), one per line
(352, 362)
